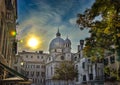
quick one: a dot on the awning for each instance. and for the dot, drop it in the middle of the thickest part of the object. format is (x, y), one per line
(18, 80)
(17, 76)
(13, 78)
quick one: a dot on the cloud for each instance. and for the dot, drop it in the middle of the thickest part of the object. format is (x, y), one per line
(39, 27)
(42, 27)
(73, 20)
(44, 20)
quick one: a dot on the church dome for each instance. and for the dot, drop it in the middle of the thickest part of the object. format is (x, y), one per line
(67, 41)
(57, 42)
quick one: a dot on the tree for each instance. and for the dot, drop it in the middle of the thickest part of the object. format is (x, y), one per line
(65, 71)
(105, 31)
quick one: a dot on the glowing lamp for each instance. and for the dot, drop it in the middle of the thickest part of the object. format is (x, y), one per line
(21, 63)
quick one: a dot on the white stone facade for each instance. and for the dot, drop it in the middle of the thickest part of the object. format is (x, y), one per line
(32, 65)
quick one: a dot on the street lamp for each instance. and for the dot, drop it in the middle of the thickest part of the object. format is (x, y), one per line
(22, 63)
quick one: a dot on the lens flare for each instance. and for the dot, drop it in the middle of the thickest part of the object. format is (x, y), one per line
(13, 33)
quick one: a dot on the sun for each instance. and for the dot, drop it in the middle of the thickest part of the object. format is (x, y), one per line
(33, 42)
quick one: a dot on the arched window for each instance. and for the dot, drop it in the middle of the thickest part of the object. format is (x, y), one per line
(68, 45)
(90, 76)
(84, 77)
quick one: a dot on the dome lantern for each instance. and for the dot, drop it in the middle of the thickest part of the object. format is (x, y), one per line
(58, 33)
(57, 43)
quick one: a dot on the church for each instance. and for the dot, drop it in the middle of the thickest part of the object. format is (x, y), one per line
(59, 51)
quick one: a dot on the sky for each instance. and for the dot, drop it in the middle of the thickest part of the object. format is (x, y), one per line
(42, 18)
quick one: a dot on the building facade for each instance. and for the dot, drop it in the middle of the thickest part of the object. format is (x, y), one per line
(32, 65)
(89, 73)
(8, 16)
(8, 44)
(112, 69)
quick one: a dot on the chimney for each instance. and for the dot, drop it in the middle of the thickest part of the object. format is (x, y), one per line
(78, 48)
(81, 44)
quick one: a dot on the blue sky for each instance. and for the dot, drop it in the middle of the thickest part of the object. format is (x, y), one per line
(43, 17)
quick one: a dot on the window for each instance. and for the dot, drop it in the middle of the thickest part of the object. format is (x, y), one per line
(90, 76)
(42, 74)
(62, 58)
(37, 66)
(59, 50)
(27, 66)
(83, 65)
(38, 80)
(76, 66)
(33, 66)
(38, 57)
(37, 74)
(77, 78)
(106, 61)
(112, 59)
(41, 80)
(32, 73)
(27, 73)
(88, 60)
(84, 77)
(33, 80)
(79, 55)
